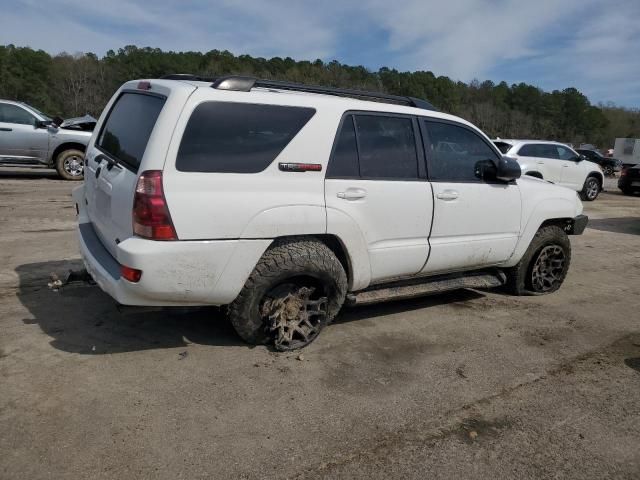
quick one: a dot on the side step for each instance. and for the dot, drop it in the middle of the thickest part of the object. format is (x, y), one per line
(426, 286)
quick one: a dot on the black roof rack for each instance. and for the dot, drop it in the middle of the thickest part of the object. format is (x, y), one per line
(245, 84)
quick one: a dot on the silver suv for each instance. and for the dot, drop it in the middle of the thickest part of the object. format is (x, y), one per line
(28, 137)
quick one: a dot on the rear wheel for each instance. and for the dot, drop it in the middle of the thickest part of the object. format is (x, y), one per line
(70, 164)
(295, 290)
(591, 189)
(544, 265)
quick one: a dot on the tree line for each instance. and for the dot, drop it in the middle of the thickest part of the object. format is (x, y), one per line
(71, 85)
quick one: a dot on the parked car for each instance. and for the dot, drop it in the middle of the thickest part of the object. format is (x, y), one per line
(28, 137)
(557, 163)
(629, 181)
(608, 165)
(285, 201)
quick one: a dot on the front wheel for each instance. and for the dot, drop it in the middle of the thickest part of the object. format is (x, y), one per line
(591, 189)
(295, 290)
(544, 265)
(70, 164)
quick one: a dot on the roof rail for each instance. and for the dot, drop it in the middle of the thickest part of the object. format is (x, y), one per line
(245, 84)
(187, 77)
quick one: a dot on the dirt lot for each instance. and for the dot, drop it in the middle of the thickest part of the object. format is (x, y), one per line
(467, 384)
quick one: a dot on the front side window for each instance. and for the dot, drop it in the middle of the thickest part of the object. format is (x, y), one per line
(229, 137)
(564, 153)
(127, 129)
(456, 153)
(14, 114)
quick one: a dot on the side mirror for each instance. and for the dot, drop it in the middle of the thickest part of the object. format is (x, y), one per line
(57, 121)
(486, 170)
(579, 158)
(42, 123)
(508, 169)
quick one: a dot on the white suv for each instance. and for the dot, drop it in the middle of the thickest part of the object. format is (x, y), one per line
(285, 201)
(556, 163)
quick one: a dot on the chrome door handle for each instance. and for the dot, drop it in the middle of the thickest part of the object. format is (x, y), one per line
(540, 163)
(352, 194)
(447, 195)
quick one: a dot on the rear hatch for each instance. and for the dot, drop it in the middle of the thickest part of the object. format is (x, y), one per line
(133, 135)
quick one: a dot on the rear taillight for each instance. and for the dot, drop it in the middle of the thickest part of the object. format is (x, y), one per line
(151, 217)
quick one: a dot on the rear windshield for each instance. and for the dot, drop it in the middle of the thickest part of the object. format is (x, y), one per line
(503, 146)
(238, 137)
(126, 131)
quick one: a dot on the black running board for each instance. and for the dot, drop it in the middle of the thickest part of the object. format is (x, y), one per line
(426, 286)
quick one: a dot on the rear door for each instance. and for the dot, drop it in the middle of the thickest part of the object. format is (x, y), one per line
(376, 179)
(476, 221)
(133, 136)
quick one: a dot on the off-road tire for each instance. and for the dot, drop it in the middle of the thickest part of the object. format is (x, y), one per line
(590, 192)
(287, 259)
(67, 155)
(519, 277)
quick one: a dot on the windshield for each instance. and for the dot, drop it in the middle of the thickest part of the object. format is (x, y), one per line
(43, 115)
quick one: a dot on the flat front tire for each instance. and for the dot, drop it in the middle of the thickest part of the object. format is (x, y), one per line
(544, 265)
(295, 290)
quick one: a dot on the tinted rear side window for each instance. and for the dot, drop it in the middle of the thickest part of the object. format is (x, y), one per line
(230, 137)
(529, 150)
(387, 147)
(344, 163)
(126, 131)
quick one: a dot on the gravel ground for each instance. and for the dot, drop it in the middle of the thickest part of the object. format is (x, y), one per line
(469, 383)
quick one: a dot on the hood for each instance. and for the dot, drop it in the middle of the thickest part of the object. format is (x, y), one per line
(86, 123)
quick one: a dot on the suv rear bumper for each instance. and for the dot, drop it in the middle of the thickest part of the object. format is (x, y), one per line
(207, 272)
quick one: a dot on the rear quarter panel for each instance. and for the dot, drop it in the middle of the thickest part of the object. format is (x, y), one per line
(266, 204)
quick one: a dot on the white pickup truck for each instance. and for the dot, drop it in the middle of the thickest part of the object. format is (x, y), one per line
(284, 201)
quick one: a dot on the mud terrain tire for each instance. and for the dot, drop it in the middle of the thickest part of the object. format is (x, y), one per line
(295, 261)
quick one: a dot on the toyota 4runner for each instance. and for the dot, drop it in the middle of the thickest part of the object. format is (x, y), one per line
(283, 202)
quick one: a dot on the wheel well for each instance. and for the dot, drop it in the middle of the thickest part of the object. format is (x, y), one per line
(535, 174)
(597, 175)
(339, 250)
(334, 244)
(67, 146)
(565, 223)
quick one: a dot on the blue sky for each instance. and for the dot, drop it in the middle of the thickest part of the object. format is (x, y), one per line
(593, 45)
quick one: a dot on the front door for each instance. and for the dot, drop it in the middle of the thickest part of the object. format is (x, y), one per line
(476, 220)
(572, 174)
(375, 187)
(20, 140)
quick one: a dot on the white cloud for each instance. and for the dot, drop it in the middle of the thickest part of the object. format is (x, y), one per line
(459, 38)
